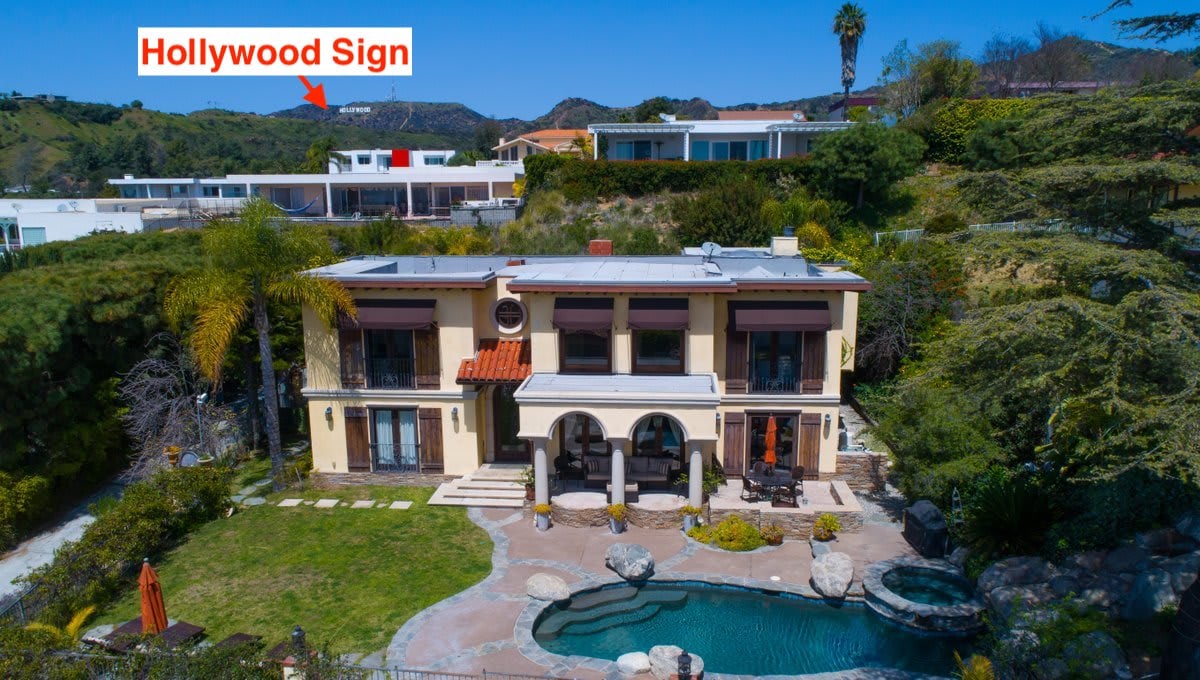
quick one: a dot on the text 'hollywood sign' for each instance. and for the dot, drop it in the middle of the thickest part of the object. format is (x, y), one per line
(275, 51)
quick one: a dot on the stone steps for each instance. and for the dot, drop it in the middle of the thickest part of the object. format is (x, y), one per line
(490, 486)
(440, 497)
(467, 483)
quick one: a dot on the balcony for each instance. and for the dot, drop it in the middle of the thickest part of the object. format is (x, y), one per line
(394, 458)
(391, 374)
(774, 383)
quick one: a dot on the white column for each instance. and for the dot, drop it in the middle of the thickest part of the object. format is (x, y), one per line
(408, 188)
(490, 194)
(541, 472)
(595, 146)
(779, 144)
(618, 470)
(695, 476)
(328, 200)
(687, 145)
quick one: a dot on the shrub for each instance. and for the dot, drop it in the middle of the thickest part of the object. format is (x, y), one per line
(542, 509)
(945, 223)
(733, 534)
(826, 526)
(691, 510)
(152, 516)
(617, 511)
(772, 533)
(1006, 516)
(21, 502)
(728, 213)
(957, 119)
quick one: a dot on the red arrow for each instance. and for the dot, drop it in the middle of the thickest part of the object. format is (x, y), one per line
(316, 95)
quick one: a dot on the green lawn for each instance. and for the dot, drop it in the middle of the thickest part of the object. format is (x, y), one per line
(350, 577)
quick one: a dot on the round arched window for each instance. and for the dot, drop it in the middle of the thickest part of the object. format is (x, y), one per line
(509, 315)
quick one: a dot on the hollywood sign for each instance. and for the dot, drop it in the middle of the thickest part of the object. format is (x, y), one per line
(354, 109)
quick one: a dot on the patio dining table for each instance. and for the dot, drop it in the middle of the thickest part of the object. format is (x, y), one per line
(777, 480)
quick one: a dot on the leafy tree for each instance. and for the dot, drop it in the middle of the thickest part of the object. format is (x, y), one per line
(487, 135)
(647, 111)
(849, 24)
(860, 164)
(901, 87)
(943, 73)
(249, 264)
(135, 104)
(729, 214)
(467, 158)
(319, 155)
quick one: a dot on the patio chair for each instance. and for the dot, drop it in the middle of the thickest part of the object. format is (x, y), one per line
(786, 495)
(759, 467)
(751, 491)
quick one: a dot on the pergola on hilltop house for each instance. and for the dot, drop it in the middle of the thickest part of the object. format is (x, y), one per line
(603, 369)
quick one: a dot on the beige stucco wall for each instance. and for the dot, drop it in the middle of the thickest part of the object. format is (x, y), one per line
(464, 317)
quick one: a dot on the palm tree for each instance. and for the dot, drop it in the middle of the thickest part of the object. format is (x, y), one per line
(68, 635)
(849, 24)
(320, 153)
(250, 262)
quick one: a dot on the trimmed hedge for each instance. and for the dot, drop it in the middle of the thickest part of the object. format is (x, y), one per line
(954, 122)
(580, 179)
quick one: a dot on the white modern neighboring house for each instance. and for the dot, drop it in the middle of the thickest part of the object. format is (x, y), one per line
(737, 138)
(402, 182)
(33, 221)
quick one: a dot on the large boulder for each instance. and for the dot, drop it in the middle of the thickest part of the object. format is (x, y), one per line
(1183, 570)
(664, 662)
(1007, 601)
(832, 574)
(1151, 593)
(1189, 525)
(1183, 646)
(1096, 655)
(631, 561)
(1125, 559)
(629, 665)
(547, 587)
(1168, 541)
(1015, 571)
(1106, 591)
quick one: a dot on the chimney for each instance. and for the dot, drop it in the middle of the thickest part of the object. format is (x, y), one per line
(785, 246)
(600, 247)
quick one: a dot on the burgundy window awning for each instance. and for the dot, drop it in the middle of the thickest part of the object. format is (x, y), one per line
(658, 314)
(782, 316)
(402, 315)
(583, 314)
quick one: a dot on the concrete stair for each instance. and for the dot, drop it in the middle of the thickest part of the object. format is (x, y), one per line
(494, 485)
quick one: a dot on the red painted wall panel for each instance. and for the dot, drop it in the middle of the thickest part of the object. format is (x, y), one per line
(400, 158)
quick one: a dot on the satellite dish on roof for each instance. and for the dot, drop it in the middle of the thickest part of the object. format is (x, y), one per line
(710, 249)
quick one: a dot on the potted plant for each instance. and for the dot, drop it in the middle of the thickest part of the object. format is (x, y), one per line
(542, 512)
(172, 454)
(772, 534)
(691, 517)
(826, 526)
(616, 517)
(529, 480)
(709, 483)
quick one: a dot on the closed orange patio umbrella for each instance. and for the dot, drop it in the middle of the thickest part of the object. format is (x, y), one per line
(154, 611)
(769, 442)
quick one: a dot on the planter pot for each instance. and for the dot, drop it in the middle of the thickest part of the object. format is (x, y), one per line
(529, 492)
(206, 461)
(615, 526)
(689, 521)
(543, 522)
(775, 541)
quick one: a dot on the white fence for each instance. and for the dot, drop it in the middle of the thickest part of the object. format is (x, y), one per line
(908, 235)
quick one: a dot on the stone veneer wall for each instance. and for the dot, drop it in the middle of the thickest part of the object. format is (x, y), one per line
(576, 517)
(332, 480)
(653, 519)
(862, 470)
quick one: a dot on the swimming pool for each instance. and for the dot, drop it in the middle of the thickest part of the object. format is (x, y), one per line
(738, 630)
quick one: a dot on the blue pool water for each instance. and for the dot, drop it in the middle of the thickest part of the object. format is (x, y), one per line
(738, 630)
(928, 586)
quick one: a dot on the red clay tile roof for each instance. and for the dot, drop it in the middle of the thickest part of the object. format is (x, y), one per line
(497, 361)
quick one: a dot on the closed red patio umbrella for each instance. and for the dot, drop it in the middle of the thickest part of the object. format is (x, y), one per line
(154, 611)
(769, 442)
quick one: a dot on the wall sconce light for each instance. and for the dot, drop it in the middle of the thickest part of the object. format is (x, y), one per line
(329, 413)
(454, 413)
(828, 419)
(718, 417)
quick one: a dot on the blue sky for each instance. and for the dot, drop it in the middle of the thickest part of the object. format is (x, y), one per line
(520, 58)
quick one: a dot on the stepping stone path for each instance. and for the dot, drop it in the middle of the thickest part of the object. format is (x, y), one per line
(333, 503)
(362, 504)
(252, 495)
(327, 503)
(400, 505)
(290, 502)
(254, 500)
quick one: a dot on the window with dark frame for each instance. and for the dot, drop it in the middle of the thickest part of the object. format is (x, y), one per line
(658, 351)
(585, 352)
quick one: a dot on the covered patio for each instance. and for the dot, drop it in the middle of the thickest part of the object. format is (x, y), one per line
(669, 420)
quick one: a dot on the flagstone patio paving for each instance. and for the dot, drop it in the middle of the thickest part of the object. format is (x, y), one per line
(474, 630)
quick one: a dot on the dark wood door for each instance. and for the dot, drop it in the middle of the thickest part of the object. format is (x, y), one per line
(809, 447)
(429, 427)
(506, 423)
(735, 444)
(358, 445)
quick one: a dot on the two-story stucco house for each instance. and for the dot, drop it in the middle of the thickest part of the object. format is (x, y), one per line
(600, 368)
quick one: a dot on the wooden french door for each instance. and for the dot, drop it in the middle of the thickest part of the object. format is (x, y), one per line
(506, 423)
